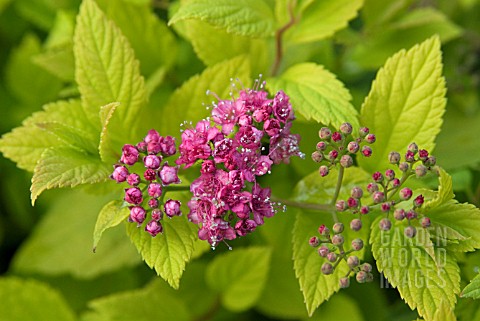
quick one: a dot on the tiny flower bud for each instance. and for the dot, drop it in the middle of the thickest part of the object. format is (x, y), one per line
(152, 161)
(337, 228)
(365, 209)
(332, 257)
(172, 208)
(341, 205)
(404, 167)
(344, 282)
(372, 188)
(323, 171)
(333, 155)
(361, 277)
(410, 231)
(142, 147)
(317, 156)
(155, 190)
(405, 193)
(412, 148)
(346, 161)
(385, 207)
(133, 179)
(352, 202)
(377, 177)
(430, 161)
(323, 251)
(356, 192)
(395, 182)
(378, 197)
(394, 157)
(150, 174)
(411, 215)
(353, 147)
(129, 154)
(409, 157)
(363, 131)
(355, 225)
(327, 268)
(208, 167)
(425, 222)
(367, 267)
(153, 203)
(420, 170)
(321, 146)
(366, 151)
(323, 230)
(168, 146)
(370, 138)
(157, 214)
(369, 277)
(120, 174)
(353, 261)
(153, 228)
(137, 215)
(418, 201)
(324, 133)
(399, 214)
(133, 195)
(337, 137)
(346, 128)
(314, 241)
(389, 174)
(385, 224)
(337, 240)
(169, 174)
(423, 154)
(357, 244)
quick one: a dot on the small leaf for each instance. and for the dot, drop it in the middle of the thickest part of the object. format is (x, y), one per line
(22, 300)
(422, 281)
(66, 167)
(321, 19)
(106, 71)
(239, 276)
(190, 99)
(445, 190)
(242, 17)
(317, 94)
(472, 290)
(406, 103)
(106, 113)
(111, 215)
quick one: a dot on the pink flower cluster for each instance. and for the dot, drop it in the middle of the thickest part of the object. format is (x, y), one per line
(145, 191)
(241, 141)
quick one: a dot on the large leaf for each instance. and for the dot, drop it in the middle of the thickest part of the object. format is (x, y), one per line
(106, 71)
(242, 17)
(110, 216)
(239, 276)
(190, 99)
(66, 167)
(472, 290)
(61, 242)
(317, 94)
(423, 282)
(20, 300)
(322, 18)
(317, 287)
(406, 102)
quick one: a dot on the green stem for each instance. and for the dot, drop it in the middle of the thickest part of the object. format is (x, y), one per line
(308, 206)
(177, 188)
(337, 192)
(279, 39)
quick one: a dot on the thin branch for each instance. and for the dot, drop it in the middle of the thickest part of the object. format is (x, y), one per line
(307, 206)
(279, 40)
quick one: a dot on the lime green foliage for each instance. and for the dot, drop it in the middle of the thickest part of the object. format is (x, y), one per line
(472, 290)
(106, 154)
(445, 191)
(239, 276)
(23, 299)
(316, 94)
(406, 102)
(423, 281)
(110, 216)
(317, 287)
(241, 17)
(321, 19)
(444, 312)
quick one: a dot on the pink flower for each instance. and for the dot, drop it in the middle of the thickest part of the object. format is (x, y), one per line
(226, 114)
(261, 205)
(282, 108)
(153, 228)
(129, 154)
(249, 137)
(133, 195)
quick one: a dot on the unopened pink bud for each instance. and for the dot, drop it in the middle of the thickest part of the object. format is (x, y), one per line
(153, 228)
(353, 147)
(323, 171)
(321, 146)
(314, 241)
(363, 131)
(405, 193)
(372, 188)
(150, 174)
(425, 222)
(377, 177)
(137, 215)
(172, 208)
(133, 179)
(152, 161)
(346, 161)
(423, 154)
(323, 251)
(169, 174)
(385, 224)
(352, 202)
(389, 174)
(370, 138)
(324, 133)
(355, 225)
(133, 195)
(155, 190)
(410, 231)
(418, 201)
(366, 151)
(157, 214)
(346, 128)
(323, 230)
(120, 174)
(129, 154)
(341, 205)
(337, 137)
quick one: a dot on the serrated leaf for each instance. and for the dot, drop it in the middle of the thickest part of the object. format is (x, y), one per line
(321, 19)
(71, 136)
(110, 216)
(316, 94)
(445, 190)
(315, 286)
(66, 229)
(106, 113)
(242, 17)
(472, 290)
(445, 312)
(24, 145)
(190, 99)
(66, 167)
(58, 61)
(20, 300)
(458, 222)
(239, 276)
(406, 103)
(106, 71)
(422, 281)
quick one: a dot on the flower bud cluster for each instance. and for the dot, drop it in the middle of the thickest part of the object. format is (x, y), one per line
(340, 147)
(331, 246)
(244, 137)
(144, 169)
